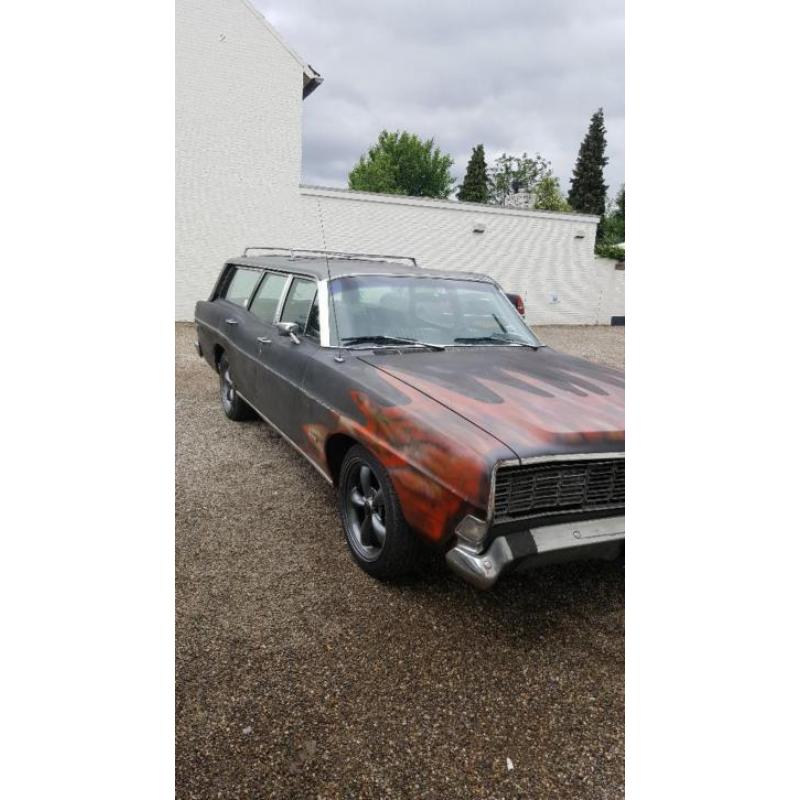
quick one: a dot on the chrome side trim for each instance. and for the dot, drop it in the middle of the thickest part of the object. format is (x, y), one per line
(305, 455)
(565, 457)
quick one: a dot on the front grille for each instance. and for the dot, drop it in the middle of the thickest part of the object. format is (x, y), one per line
(549, 488)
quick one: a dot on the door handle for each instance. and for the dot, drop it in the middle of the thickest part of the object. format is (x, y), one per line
(231, 321)
(264, 340)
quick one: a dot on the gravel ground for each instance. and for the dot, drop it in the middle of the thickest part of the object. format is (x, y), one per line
(297, 676)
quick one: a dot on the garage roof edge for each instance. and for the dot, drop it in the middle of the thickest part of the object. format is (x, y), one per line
(452, 205)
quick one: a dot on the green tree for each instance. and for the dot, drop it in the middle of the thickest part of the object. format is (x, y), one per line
(613, 229)
(401, 163)
(548, 196)
(587, 191)
(475, 187)
(512, 174)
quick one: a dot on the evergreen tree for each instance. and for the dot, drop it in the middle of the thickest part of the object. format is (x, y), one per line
(587, 191)
(475, 187)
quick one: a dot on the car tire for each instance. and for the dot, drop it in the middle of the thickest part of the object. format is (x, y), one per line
(377, 535)
(232, 405)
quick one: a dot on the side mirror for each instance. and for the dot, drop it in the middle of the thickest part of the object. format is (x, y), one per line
(289, 329)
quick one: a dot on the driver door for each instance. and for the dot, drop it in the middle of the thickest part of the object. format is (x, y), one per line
(283, 362)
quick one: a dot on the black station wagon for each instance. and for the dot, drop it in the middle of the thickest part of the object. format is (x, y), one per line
(429, 404)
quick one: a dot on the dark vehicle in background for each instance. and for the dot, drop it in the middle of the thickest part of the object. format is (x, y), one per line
(518, 302)
(425, 399)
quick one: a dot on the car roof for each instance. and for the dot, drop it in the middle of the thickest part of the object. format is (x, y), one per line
(320, 268)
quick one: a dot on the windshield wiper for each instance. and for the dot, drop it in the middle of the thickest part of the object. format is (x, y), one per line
(379, 339)
(496, 338)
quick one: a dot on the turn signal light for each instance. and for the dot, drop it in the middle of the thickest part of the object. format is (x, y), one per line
(472, 530)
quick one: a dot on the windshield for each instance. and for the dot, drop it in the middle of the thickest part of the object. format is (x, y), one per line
(389, 310)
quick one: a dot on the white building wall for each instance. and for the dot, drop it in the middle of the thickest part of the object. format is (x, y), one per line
(238, 153)
(238, 139)
(547, 258)
(611, 290)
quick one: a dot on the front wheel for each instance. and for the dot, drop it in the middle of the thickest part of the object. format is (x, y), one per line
(377, 534)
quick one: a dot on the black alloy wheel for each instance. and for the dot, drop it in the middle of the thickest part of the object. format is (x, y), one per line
(377, 534)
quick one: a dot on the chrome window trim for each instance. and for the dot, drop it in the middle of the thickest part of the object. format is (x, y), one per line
(284, 294)
(324, 314)
(296, 277)
(265, 275)
(521, 462)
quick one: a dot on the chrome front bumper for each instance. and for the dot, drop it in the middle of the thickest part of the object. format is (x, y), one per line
(597, 538)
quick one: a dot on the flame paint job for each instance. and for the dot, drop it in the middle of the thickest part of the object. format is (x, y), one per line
(440, 464)
(438, 421)
(532, 400)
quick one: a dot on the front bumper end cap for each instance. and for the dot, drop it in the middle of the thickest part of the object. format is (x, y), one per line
(480, 569)
(599, 538)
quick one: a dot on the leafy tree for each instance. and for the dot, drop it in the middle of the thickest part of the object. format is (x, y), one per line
(587, 191)
(475, 187)
(547, 194)
(401, 163)
(612, 229)
(512, 174)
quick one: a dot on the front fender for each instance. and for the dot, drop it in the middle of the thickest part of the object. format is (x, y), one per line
(440, 464)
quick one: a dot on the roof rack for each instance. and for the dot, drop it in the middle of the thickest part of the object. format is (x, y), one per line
(294, 252)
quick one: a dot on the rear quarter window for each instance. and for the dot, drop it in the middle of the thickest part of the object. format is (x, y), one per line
(240, 285)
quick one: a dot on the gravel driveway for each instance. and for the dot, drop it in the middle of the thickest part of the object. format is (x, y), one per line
(297, 676)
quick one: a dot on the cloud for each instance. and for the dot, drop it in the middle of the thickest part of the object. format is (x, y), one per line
(515, 75)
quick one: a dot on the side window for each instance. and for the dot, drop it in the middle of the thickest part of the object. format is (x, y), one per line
(265, 303)
(241, 285)
(298, 302)
(312, 329)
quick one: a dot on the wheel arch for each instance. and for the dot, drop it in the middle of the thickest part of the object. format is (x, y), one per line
(218, 352)
(336, 447)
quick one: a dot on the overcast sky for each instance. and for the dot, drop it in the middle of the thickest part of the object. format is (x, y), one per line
(515, 75)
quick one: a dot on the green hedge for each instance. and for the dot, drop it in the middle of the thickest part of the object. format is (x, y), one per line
(610, 251)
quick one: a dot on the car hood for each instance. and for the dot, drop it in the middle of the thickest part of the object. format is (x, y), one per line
(533, 401)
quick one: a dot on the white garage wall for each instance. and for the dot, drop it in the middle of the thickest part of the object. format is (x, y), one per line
(238, 152)
(611, 290)
(535, 254)
(238, 135)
